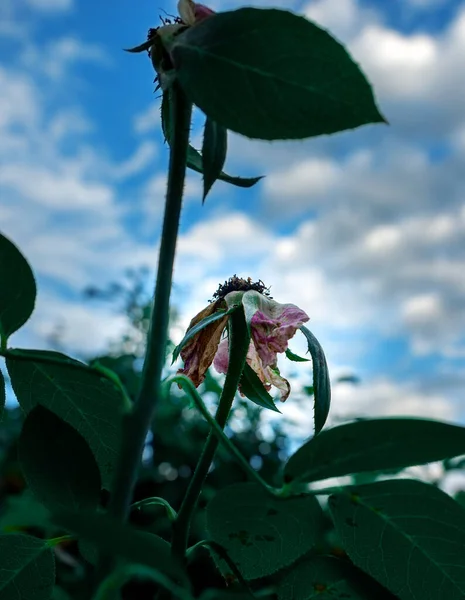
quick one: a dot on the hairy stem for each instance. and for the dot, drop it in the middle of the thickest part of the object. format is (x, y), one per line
(138, 421)
(238, 346)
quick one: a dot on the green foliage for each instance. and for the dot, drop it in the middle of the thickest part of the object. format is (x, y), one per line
(214, 149)
(57, 462)
(24, 511)
(262, 533)
(407, 535)
(271, 74)
(17, 289)
(294, 357)
(2, 394)
(110, 536)
(253, 389)
(374, 445)
(195, 160)
(321, 382)
(327, 578)
(27, 568)
(79, 395)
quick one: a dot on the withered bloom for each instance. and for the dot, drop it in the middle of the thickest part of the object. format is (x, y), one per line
(272, 325)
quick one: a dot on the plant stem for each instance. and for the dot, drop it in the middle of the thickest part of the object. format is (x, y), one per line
(238, 345)
(139, 420)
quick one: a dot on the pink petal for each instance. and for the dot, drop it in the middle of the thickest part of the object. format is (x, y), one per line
(271, 330)
(221, 360)
(202, 12)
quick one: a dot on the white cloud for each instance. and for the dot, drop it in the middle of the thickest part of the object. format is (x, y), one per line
(149, 119)
(57, 59)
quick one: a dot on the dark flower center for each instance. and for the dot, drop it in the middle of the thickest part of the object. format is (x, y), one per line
(238, 284)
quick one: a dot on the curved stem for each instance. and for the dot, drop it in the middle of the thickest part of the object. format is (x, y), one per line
(238, 345)
(189, 388)
(139, 420)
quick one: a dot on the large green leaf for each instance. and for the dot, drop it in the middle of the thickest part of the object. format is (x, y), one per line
(27, 568)
(112, 537)
(194, 158)
(327, 578)
(271, 74)
(321, 382)
(57, 463)
(262, 533)
(214, 149)
(374, 445)
(17, 289)
(253, 389)
(79, 395)
(408, 535)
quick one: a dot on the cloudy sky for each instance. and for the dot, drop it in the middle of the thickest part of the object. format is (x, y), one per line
(364, 230)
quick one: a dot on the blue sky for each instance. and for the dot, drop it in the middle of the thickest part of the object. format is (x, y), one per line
(364, 230)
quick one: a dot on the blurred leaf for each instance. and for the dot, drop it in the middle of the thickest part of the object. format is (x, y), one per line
(321, 383)
(27, 568)
(214, 149)
(57, 463)
(374, 445)
(114, 538)
(83, 398)
(2, 395)
(353, 379)
(271, 74)
(60, 594)
(294, 357)
(408, 535)
(262, 533)
(109, 589)
(17, 289)
(327, 578)
(194, 158)
(24, 511)
(253, 389)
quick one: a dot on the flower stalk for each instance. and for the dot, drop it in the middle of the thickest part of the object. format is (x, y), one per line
(139, 419)
(239, 343)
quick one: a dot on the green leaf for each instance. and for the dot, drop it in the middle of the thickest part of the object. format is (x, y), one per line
(27, 568)
(17, 289)
(24, 511)
(194, 158)
(294, 357)
(219, 314)
(327, 578)
(2, 395)
(253, 389)
(142, 47)
(60, 594)
(271, 74)
(214, 149)
(374, 445)
(109, 589)
(57, 463)
(321, 383)
(112, 537)
(79, 395)
(262, 533)
(408, 535)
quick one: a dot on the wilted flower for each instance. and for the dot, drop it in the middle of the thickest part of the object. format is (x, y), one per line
(163, 37)
(272, 325)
